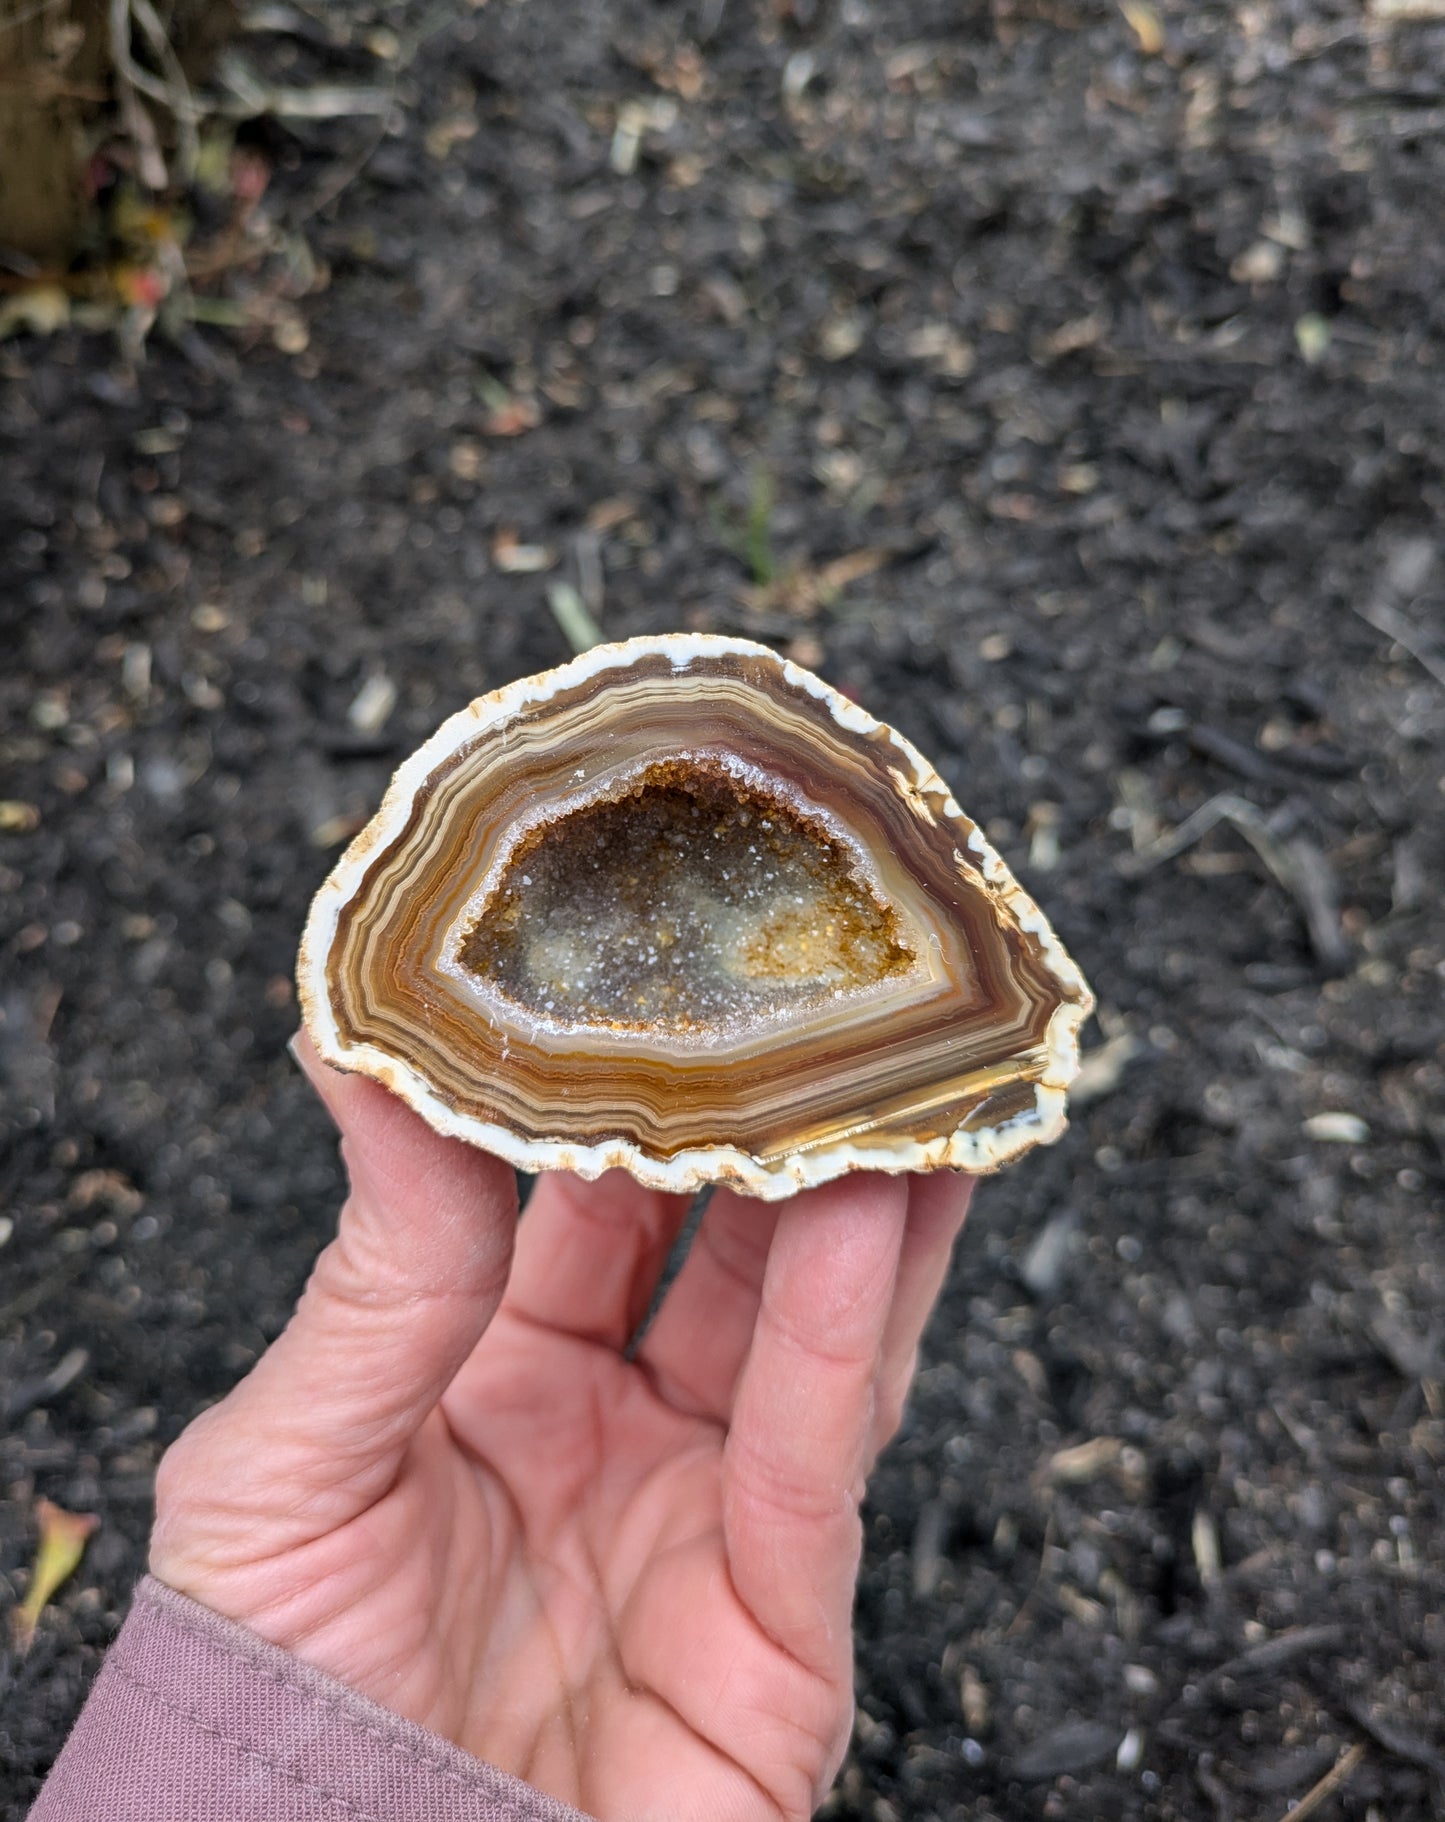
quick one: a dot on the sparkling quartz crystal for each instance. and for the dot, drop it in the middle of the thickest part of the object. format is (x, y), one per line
(679, 906)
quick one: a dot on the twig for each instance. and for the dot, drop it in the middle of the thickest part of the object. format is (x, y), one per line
(445, 13)
(1295, 861)
(1415, 123)
(250, 96)
(1393, 624)
(175, 91)
(1318, 1794)
(1214, 1788)
(121, 12)
(1226, 807)
(37, 1293)
(1403, 577)
(132, 82)
(1031, 1599)
(292, 22)
(337, 183)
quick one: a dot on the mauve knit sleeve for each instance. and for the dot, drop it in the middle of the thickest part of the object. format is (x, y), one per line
(194, 1719)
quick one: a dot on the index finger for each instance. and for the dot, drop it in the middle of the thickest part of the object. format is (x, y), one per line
(394, 1305)
(799, 1443)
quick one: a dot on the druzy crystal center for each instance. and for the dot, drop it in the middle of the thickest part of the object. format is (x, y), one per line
(687, 902)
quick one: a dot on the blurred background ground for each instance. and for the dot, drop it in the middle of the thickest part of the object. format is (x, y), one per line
(1064, 382)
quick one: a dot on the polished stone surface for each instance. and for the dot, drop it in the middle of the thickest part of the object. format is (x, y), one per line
(681, 907)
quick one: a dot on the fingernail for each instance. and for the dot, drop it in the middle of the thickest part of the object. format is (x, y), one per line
(307, 1058)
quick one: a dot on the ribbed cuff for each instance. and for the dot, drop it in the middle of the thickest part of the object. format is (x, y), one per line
(194, 1718)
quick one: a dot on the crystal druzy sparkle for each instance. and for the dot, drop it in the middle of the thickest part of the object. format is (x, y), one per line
(678, 906)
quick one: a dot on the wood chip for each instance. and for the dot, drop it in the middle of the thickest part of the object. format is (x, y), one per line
(1102, 1070)
(1145, 24)
(371, 708)
(1401, 11)
(514, 558)
(1085, 1461)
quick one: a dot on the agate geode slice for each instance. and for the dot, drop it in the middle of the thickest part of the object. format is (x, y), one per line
(679, 906)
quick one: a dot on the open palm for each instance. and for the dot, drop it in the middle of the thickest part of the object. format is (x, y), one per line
(628, 1580)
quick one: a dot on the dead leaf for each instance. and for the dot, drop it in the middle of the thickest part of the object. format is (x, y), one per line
(804, 590)
(857, 564)
(109, 1189)
(1074, 336)
(63, 1537)
(337, 829)
(1085, 1461)
(512, 416)
(1145, 24)
(607, 515)
(941, 344)
(42, 309)
(452, 130)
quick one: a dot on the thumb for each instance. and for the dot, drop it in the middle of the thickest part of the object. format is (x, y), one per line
(394, 1305)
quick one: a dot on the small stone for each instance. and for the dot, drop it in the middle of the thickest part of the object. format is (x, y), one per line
(372, 705)
(1337, 1128)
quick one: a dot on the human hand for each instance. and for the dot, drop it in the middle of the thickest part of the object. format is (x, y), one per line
(629, 1582)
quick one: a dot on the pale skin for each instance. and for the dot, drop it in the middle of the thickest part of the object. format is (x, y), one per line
(629, 1582)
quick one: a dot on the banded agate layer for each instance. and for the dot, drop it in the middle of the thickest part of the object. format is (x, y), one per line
(680, 907)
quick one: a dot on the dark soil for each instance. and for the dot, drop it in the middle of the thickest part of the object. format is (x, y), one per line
(1126, 366)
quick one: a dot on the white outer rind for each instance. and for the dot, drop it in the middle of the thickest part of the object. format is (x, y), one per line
(978, 1152)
